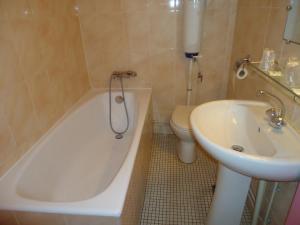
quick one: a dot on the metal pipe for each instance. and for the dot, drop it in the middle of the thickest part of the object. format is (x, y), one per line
(258, 201)
(266, 219)
(189, 84)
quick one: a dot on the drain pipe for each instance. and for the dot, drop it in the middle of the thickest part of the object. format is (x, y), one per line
(275, 187)
(258, 201)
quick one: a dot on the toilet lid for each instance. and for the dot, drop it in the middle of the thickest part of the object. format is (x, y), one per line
(181, 116)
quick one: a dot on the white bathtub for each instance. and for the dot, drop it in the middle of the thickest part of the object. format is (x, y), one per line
(79, 167)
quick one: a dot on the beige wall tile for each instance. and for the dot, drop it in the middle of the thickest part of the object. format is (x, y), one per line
(140, 35)
(18, 110)
(7, 144)
(107, 48)
(13, 9)
(162, 30)
(219, 4)
(163, 66)
(10, 68)
(180, 79)
(250, 32)
(43, 71)
(138, 29)
(55, 8)
(165, 5)
(280, 3)
(134, 5)
(255, 3)
(46, 93)
(87, 9)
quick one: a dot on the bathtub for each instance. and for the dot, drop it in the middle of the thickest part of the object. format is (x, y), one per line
(79, 170)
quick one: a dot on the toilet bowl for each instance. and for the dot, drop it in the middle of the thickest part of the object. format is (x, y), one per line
(180, 123)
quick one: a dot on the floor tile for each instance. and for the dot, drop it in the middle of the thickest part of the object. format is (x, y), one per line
(178, 193)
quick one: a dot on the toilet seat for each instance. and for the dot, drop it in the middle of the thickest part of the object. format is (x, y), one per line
(181, 117)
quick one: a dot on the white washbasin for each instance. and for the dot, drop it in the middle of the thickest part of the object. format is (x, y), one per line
(268, 153)
(272, 154)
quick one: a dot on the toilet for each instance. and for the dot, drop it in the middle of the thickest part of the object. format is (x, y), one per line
(180, 123)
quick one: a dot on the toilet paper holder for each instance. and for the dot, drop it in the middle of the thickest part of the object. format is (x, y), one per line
(242, 62)
(240, 67)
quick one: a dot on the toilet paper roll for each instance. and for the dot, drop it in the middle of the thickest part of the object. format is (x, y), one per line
(241, 73)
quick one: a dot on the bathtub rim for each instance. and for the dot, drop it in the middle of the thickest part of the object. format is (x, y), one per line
(95, 206)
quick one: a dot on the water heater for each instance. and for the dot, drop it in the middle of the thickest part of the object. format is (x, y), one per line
(192, 26)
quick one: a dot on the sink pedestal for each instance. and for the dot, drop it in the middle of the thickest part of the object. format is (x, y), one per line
(229, 198)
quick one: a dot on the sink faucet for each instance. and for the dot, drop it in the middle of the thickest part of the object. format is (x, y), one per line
(275, 115)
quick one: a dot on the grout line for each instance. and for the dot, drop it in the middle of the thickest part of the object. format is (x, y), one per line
(178, 193)
(84, 47)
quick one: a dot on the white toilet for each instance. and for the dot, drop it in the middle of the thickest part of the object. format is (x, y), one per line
(180, 123)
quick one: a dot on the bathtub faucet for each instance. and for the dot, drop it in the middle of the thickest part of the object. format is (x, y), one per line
(123, 74)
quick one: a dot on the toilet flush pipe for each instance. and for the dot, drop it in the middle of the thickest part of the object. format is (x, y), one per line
(189, 83)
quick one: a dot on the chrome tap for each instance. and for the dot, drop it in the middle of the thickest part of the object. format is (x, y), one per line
(123, 74)
(275, 114)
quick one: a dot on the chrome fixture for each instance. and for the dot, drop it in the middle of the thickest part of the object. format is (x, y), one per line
(275, 114)
(119, 75)
(119, 99)
(242, 62)
(123, 74)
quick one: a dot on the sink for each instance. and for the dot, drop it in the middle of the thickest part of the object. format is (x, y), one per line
(268, 153)
(237, 134)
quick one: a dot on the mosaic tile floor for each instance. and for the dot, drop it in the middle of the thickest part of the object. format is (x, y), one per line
(177, 193)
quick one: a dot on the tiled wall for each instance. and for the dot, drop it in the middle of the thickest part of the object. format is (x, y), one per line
(260, 24)
(146, 36)
(42, 71)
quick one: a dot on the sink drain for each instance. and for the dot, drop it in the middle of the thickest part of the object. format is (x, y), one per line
(237, 148)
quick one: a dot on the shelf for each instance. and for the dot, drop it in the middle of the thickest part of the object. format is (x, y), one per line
(279, 80)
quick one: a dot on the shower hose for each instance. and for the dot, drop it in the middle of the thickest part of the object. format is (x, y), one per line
(119, 134)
